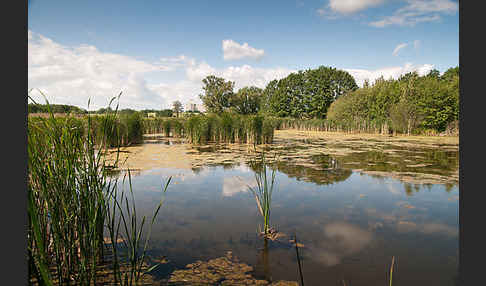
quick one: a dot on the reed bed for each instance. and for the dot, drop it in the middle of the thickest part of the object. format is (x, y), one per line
(356, 126)
(217, 128)
(72, 203)
(112, 130)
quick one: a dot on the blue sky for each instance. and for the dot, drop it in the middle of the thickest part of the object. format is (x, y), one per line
(159, 51)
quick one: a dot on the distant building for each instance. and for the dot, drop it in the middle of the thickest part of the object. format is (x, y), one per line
(151, 114)
(193, 107)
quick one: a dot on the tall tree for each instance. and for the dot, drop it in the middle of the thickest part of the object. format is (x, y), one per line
(217, 94)
(309, 93)
(246, 100)
(177, 107)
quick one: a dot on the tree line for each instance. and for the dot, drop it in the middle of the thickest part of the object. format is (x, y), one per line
(409, 104)
(304, 94)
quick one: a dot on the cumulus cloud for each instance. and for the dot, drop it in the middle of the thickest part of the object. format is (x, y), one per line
(234, 51)
(72, 75)
(417, 11)
(346, 7)
(360, 75)
(244, 75)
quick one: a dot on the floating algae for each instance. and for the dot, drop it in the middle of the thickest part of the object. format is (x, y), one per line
(226, 270)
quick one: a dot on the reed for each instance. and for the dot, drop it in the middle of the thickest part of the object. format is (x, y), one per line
(69, 195)
(298, 260)
(263, 190)
(229, 128)
(355, 126)
(121, 212)
(66, 204)
(391, 270)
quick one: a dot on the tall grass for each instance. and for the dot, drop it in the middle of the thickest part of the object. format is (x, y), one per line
(66, 203)
(132, 256)
(263, 191)
(217, 128)
(69, 197)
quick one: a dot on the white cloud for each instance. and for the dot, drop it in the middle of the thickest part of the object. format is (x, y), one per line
(72, 75)
(352, 6)
(398, 48)
(247, 75)
(417, 11)
(197, 72)
(360, 75)
(244, 75)
(346, 7)
(234, 51)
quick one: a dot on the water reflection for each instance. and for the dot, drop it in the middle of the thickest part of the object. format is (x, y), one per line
(340, 240)
(237, 184)
(328, 173)
(340, 216)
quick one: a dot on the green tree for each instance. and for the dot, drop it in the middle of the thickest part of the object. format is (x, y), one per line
(246, 100)
(217, 94)
(309, 93)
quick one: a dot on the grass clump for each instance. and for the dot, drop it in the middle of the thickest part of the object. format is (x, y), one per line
(72, 202)
(263, 191)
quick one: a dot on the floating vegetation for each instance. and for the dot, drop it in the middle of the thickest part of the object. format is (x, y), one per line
(225, 270)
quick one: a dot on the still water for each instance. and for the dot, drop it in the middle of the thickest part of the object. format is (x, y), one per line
(351, 225)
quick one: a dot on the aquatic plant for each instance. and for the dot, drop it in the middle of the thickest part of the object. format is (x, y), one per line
(298, 260)
(65, 202)
(131, 235)
(263, 191)
(391, 270)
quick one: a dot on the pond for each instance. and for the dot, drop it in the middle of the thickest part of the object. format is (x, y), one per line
(352, 212)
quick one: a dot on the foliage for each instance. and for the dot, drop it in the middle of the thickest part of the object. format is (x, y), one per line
(410, 104)
(55, 108)
(307, 94)
(246, 100)
(217, 93)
